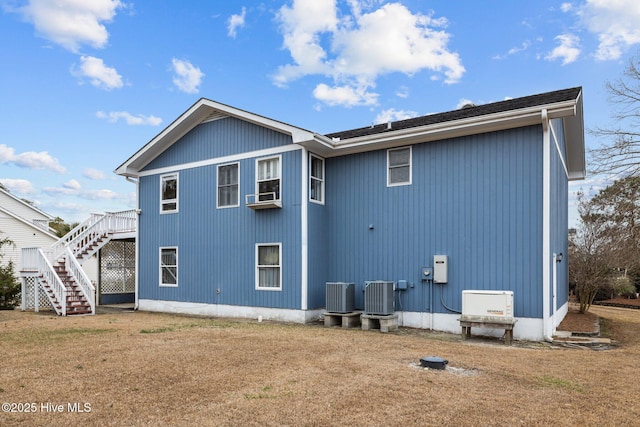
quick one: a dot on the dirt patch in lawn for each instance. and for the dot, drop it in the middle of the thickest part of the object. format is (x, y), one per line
(134, 368)
(582, 323)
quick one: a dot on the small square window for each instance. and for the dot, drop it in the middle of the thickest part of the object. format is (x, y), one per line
(169, 266)
(316, 179)
(229, 185)
(268, 181)
(268, 267)
(169, 193)
(399, 166)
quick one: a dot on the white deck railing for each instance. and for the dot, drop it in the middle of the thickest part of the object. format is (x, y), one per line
(70, 246)
(93, 228)
(74, 268)
(35, 259)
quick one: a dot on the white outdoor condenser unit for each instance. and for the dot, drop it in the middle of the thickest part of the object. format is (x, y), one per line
(340, 297)
(378, 297)
(487, 305)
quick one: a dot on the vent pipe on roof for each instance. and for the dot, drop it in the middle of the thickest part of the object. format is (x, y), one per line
(389, 125)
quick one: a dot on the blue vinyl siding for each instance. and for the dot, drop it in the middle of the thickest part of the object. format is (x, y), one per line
(217, 246)
(476, 199)
(219, 138)
(560, 214)
(318, 254)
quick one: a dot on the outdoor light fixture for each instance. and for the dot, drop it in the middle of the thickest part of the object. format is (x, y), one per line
(559, 257)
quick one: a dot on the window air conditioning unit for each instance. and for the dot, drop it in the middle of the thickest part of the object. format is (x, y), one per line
(340, 297)
(487, 306)
(378, 297)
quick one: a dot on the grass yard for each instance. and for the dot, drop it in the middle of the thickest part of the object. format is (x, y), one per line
(134, 369)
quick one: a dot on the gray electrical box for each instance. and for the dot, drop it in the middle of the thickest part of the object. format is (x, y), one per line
(440, 268)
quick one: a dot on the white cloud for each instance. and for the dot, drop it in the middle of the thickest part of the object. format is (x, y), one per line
(30, 160)
(355, 49)
(130, 119)
(72, 23)
(463, 102)
(514, 50)
(74, 189)
(187, 77)
(98, 73)
(566, 7)
(235, 22)
(402, 92)
(616, 24)
(392, 115)
(72, 184)
(20, 186)
(93, 174)
(568, 49)
(348, 96)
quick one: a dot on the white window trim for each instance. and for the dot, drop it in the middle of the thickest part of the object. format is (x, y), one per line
(389, 184)
(258, 160)
(257, 269)
(168, 285)
(218, 186)
(322, 192)
(163, 202)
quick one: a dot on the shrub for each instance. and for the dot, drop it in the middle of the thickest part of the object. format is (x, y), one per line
(622, 285)
(9, 287)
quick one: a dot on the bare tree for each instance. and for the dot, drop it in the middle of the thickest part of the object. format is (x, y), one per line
(588, 268)
(621, 155)
(615, 213)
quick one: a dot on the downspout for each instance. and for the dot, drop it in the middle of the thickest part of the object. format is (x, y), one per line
(304, 232)
(547, 329)
(138, 212)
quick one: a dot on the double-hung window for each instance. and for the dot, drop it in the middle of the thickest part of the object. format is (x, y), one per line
(169, 266)
(268, 181)
(316, 179)
(169, 193)
(399, 166)
(268, 266)
(228, 185)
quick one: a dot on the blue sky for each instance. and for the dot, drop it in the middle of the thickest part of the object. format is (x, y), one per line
(84, 84)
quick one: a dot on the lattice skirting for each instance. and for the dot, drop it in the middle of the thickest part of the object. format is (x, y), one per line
(31, 287)
(117, 268)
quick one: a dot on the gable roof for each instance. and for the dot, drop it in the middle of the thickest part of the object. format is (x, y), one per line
(466, 112)
(24, 205)
(30, 224)
(536, 109)
(563, 104)
(203, 110)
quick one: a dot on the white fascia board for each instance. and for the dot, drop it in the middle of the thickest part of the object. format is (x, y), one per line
(29, 224)
(194, 116)
(574, 131)
(28, 205)
(178, 128)
(444, 130)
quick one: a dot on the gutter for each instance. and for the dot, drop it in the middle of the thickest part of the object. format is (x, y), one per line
(136, 303)
(438, 131)
(547, 327)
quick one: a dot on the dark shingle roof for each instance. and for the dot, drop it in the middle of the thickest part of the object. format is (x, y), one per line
(463, 113)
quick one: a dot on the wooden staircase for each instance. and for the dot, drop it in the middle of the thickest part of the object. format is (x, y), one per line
(75, 300)
(57, 270)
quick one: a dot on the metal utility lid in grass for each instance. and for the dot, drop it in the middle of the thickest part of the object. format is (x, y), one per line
(433, 362)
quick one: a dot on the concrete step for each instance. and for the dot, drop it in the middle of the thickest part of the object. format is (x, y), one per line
(569, 339)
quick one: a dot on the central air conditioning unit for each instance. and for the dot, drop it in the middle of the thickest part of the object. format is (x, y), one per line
(378, 297)
(340, 297)
(487, 306)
